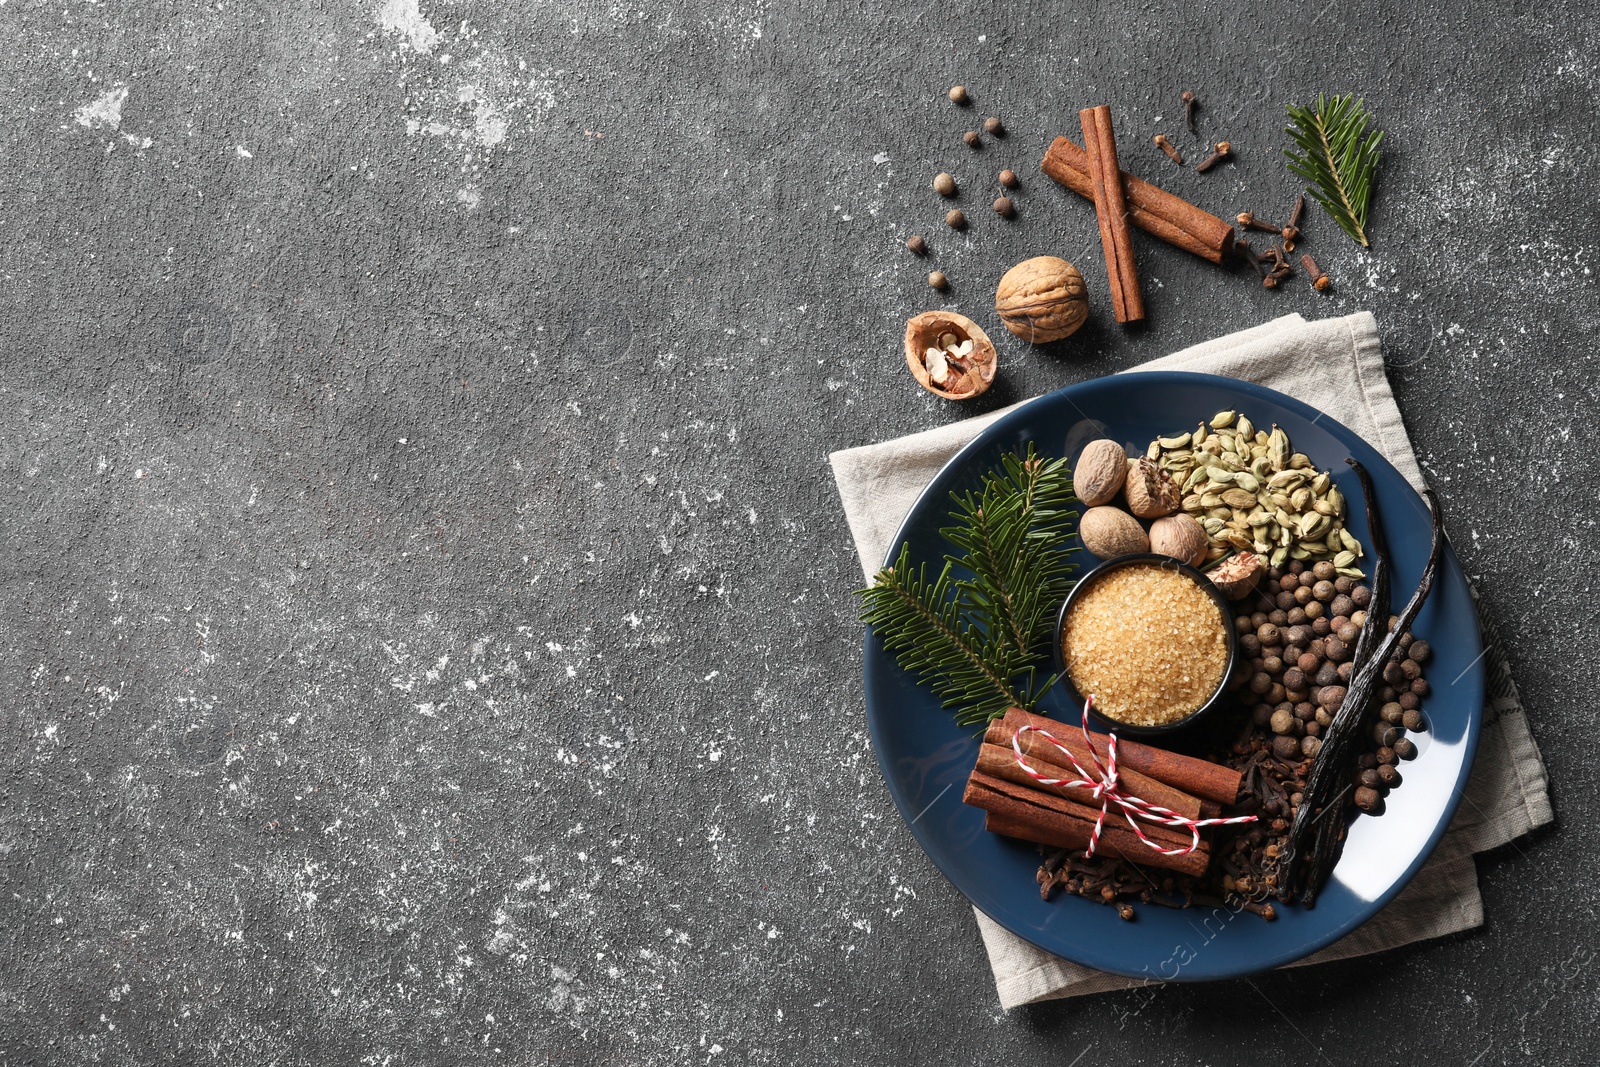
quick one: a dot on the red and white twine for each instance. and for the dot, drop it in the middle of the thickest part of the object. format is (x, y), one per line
(1106, 790)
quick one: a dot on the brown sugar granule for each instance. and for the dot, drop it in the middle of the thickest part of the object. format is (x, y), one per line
(1147, 643)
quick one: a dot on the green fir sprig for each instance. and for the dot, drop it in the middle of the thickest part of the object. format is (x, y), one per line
(1339, 156)
(977, 639)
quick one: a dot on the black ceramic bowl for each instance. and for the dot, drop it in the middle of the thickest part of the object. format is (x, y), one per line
(1117, 563)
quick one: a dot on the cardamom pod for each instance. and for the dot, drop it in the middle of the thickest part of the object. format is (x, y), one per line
(1277, 557)
(1180, 441)
(1220, 476)
(1300, 462)
(1336, 498)
(1300, 499)
(1349, 541)
(1261, 468)
(1239, 541)
(1246, 481)
(1211, 500)
(1284, 479)
(1222, 419)
(1324, 507)
(1221, 511)
(1200, 434)
(1154, 451)
(1261, 546)
(1238, 498)
(1350, 572)
(1213, 527)
(1259, 519)
(1278, 450)
(1297, 552)
(1196, 476)
(1246, 429)
(1344, 559)
(1192, 502)
(1321, 483)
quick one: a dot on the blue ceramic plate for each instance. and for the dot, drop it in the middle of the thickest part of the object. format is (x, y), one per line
(926, 758)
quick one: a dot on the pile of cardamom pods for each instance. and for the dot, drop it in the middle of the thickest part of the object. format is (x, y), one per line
(1253, 493)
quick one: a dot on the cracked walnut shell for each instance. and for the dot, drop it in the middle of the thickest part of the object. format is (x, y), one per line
(950, 355)
(1042, 299)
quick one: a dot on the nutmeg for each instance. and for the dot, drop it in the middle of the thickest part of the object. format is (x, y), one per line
(1042, 299)
(1108, 531)
(1180, 537)
(1100, 472)
(1236, 576)
(1151, 492)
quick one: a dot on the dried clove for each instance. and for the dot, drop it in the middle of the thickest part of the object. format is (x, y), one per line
(1190, 102)
(1169, 148)
(1291, 232)
(1248, 220)
(1223, 151)
(1319, 280)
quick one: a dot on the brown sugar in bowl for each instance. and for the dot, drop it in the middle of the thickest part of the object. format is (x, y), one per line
(1158, 644)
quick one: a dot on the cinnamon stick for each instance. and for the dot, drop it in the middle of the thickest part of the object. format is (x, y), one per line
(1197, 777)
(1152, 209)
(998, 759)
(1046, 798)
(1017, 818)
(1111, 208)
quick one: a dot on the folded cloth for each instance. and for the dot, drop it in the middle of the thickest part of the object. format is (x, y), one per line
(1336, 366)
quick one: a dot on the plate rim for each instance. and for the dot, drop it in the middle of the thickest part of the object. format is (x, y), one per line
(1470, 737)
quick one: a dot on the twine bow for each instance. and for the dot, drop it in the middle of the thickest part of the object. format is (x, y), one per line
(1106, 789)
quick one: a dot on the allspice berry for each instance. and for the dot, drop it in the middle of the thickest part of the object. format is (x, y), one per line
(1008, 178)
(1004, 207)
(956, 219)
(944, 185)
(958, 94)
(918, 246)
(993, 126)
(937, 279)
(972, 139)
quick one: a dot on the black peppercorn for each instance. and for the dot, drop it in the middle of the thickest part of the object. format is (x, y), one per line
(1335, 649)
(1308, 663)
(1385, 755)
(1384, 734)
(1341, 606)
(1302, 595)
(956, 219)
(972, 139)
(1346, 669)
(1268, 634)
(944, 185)
(1368, 778)
(1388, 776)
(1392, 713)
(1361, 595)
(1419, 686)
(918, 246)
(1294, 678)
(1259, 618)
(1296, 616)
(1369, 800)
(1331, 696)
(1410, 669)
(1261, 714)
(958, 94)
(1405, 748)
(1411, 719)
(1310, 745)
(1314, 611)
(1260, 682)
(1419, 651)
(1409, 700)
(1342, 584)
(1296, 567)
(1285, 601)
(1366, 761)
(1278, 617)
(1324, 572)
(1286, 747)
(1250, 644)
(1004, 207)
(1348, 632)
(1324, 590)
(1289, 582)
(1008, 178)
(937, 279)
(1393, 674)
(993, 125)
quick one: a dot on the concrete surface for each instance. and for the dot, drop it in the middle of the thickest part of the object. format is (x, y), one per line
(426, 607)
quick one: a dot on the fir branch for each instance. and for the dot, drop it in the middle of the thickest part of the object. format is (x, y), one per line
(978, 639)
(1339, 156)
(922, 623)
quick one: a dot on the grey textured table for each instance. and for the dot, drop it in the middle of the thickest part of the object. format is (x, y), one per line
(427, 617)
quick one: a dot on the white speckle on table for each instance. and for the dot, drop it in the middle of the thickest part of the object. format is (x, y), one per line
(105, 111)
(404, 17)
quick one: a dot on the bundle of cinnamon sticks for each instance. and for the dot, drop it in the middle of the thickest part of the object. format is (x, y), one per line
(1017, 805)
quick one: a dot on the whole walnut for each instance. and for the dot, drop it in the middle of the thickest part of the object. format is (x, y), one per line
(1042, 299)
(1151, 492)
(1100, 471)
(1108, 531)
